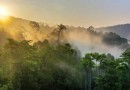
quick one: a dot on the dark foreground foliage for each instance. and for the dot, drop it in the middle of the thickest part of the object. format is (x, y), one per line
(43, 66)
(39, 67)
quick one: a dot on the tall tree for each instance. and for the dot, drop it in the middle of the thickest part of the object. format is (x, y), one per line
(88, 63)
(61, 27)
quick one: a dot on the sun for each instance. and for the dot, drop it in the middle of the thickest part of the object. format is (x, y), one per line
(3, 13)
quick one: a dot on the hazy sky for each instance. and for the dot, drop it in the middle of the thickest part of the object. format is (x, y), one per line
(72, 12)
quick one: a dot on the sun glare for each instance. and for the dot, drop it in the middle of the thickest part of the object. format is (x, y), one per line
(3, 13)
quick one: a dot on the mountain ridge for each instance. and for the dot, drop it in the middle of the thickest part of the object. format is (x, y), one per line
(85, 39)
(122, 29)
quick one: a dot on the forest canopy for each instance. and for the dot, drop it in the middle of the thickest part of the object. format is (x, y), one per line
(43, 66)
(35, 56)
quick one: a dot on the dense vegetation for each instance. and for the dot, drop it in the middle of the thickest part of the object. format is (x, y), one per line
(20, 29)
(53, 64)
(43, 66)
(109, 38)
(114, 39)
(39, 67)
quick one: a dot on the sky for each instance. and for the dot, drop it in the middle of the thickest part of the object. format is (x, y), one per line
(98, 13)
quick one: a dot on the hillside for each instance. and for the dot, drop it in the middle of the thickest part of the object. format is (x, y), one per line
(123, 30)
(83, 39)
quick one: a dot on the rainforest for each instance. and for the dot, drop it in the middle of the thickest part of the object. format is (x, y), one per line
(64, 45)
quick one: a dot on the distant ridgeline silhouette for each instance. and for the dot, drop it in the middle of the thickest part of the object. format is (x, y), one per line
(110, 38)
(123, 30)
(21, 29)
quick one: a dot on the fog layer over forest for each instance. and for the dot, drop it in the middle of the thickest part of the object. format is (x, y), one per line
(83, 39)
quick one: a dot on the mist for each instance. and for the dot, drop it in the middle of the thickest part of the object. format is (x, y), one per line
(84, 40)
(87, 43)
